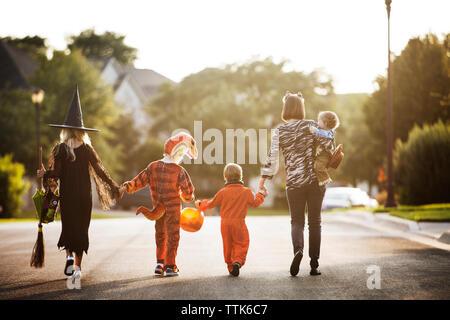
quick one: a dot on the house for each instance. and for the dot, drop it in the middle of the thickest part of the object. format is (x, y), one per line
(133, 88)
(15, 67)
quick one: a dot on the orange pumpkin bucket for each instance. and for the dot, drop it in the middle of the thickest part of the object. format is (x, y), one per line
(191, 219)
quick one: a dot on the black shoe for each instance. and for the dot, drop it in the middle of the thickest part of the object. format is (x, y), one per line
(315, 272)
(295, 265)
(171, 271)
(68, 270)
(235, 271)
(159, 269)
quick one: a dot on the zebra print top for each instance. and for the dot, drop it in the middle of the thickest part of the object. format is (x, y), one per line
(298, 145)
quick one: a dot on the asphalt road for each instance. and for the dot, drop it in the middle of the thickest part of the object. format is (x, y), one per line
(121, 261)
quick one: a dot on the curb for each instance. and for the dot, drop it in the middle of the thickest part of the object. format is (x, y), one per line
(445, 238)
(384, 219)
(396, 222)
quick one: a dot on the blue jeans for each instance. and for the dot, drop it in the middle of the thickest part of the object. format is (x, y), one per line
(311, 196)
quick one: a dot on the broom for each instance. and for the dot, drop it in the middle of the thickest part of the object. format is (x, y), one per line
(37, 256)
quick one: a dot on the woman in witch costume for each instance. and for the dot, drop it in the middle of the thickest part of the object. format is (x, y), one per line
(74, 161)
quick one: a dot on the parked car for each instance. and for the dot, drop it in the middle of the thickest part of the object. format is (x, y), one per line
(346, 197)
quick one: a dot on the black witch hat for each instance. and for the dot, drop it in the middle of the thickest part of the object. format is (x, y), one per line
(74, 118)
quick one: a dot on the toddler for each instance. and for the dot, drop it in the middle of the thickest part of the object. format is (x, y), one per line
(233, 200)
(328, 123)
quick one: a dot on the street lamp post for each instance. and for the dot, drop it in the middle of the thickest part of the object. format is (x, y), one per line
(390, 201)
(37, 97)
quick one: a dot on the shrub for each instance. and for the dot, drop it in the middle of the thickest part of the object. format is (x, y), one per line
(422, 173)
(12, 186)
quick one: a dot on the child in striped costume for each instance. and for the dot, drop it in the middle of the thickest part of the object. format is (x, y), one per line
(168, 183)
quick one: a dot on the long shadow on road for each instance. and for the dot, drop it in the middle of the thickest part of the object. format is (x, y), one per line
(28, 286)
(407, 276)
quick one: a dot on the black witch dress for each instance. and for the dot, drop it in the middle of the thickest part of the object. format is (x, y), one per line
(75, 190)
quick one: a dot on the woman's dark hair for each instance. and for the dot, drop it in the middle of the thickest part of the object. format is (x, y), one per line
(293, 107)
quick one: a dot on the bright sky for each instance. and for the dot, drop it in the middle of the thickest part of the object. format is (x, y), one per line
(345, 38)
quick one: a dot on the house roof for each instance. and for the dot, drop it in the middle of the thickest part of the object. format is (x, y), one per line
(148, 80)
(145, 81)
(127, 78)
(15, 66)
(101, 63)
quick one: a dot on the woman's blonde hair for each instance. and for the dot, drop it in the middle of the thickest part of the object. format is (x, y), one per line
(70, 137)
(293, 107)
(232, 172)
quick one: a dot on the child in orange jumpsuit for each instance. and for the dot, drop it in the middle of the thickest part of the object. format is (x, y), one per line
(233, 201)
(168, 182)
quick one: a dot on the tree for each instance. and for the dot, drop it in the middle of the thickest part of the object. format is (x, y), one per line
(34, 46)
(126, 137)
(17, 127)
(421, 90)
(360, 162)
(57, 77)
(101, 46)
(238, 96)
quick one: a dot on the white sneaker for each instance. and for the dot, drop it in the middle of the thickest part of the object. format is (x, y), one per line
(76, 273)
(74, 281)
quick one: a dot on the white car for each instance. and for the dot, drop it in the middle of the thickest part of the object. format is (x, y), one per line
(346, 197)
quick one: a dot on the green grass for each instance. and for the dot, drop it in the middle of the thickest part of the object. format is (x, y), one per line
(425, 215)
(432, 207)
(8, 220)
(429, 212)
(25, 216)
(102, 215)
(267, 212)
(346, 209)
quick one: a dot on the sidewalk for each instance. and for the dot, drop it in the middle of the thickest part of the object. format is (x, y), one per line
(436, 231)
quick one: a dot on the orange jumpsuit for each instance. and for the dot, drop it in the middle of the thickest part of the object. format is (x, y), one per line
(233, 201)
(167, 181)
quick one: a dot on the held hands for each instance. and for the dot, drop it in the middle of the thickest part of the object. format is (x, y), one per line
(197, 204)
(122, 190)
(40, 173)
(262, 189)
(263, 192)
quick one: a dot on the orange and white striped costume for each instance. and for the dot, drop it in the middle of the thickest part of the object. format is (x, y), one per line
(168, 183)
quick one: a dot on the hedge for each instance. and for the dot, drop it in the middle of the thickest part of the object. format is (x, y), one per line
(422, 170)
(12, 186)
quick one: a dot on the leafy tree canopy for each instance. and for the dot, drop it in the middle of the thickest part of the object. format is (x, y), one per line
(420, 90)
(238, 96)
(35, 46)
(101, 46)
(57, 77)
